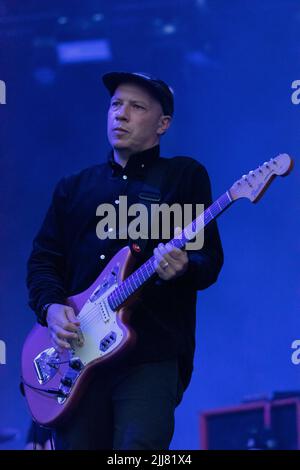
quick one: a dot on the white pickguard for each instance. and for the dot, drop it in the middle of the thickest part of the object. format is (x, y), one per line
(98, 320)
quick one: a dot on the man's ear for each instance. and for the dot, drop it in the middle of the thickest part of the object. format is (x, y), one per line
(164, 124)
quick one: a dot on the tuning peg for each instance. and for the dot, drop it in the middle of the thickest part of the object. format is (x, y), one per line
(273, 161)
(266, 164)
(252, 173)
(246, 179)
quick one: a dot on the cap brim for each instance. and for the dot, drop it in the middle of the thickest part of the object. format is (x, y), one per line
(112, 80)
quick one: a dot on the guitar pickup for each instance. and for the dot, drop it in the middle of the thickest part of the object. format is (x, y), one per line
(108, 341)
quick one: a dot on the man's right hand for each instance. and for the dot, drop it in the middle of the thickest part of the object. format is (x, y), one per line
(62, 326)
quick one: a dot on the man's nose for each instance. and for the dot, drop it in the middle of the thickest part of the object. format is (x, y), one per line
(122, 113)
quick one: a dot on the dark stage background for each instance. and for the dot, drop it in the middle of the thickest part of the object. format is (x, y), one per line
(231, 64)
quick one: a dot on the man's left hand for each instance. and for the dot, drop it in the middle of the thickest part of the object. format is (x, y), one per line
(170, 262)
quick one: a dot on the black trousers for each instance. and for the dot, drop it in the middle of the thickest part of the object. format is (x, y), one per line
(126, 408)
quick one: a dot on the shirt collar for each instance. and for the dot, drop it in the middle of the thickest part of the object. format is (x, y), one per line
(137, 163)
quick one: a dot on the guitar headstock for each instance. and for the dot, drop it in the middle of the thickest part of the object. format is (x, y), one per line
(254, 184)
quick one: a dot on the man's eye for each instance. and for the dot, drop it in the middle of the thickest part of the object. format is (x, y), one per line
(138, 106)
(114, 104)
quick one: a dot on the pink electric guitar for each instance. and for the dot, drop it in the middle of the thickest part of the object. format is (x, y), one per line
(53, 382)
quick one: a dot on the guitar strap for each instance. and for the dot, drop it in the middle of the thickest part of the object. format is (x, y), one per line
(150, 193)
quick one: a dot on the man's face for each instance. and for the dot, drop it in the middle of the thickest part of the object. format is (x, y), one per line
(135, 119)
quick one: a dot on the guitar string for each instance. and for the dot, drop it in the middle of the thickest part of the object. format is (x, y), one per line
(92, 315)
(93, 312)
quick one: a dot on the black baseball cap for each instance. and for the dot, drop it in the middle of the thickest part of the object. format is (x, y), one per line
(158, 89)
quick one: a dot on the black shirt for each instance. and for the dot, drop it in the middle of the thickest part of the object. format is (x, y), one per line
(68, 256)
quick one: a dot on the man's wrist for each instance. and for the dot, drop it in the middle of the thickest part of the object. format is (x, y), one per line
(43, 314)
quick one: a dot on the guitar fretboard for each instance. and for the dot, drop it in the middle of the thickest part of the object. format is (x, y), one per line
(133, 282)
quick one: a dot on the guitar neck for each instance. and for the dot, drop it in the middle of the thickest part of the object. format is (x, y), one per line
(139, 277)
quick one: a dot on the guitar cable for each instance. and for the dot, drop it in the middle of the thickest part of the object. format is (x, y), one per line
(52, 441)
(50, 391)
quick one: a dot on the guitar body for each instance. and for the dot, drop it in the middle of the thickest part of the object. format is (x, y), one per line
(106, 335)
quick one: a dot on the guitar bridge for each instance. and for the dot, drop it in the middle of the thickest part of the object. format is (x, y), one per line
(46, 365)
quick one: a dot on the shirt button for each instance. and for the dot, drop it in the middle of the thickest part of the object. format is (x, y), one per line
(124, 177)
(142, 165)
(117, 201)
(102, 256)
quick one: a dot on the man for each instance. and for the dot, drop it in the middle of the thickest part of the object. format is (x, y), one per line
(131, 404)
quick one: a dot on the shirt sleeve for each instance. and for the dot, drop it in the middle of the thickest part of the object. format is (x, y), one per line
(45, 266)
(204, 264)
